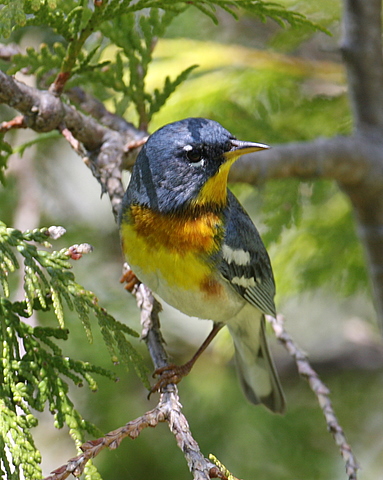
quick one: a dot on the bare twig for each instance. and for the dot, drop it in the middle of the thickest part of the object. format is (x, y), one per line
(135, 144)
(169, 401)
(168, 410)
(57, 87)
(74, 143)
(106, 148)
(75, 466)
(134, 138)
(321, 391)
(17, 122)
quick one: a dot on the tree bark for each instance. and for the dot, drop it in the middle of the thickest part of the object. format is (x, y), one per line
(361, 47)
(362, 53)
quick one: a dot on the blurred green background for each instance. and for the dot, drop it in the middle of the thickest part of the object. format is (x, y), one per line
(263, 84)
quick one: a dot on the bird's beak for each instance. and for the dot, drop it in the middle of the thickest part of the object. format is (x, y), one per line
(240, 148)
(214, 190)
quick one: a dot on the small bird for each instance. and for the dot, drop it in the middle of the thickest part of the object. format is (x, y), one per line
(186, 236)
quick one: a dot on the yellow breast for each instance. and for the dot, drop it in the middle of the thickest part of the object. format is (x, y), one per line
(176, 247)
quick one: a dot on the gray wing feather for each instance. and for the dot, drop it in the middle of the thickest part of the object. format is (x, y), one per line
(253, 279)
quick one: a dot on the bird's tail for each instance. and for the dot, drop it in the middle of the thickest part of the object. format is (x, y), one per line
(255, 366)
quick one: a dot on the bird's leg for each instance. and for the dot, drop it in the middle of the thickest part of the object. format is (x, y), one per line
(174, 373)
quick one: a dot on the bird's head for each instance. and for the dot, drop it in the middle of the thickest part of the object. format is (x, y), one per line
(186, 163)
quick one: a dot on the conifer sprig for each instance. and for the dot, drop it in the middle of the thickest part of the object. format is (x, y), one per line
(34, 371)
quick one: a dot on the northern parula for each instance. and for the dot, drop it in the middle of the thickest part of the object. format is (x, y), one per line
(186, 236)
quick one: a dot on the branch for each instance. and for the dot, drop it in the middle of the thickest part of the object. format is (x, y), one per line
(321, 391)
(105, 150)
(361, 47)
(17, 122)
(75, 466)
(94, 107)
(168, 410)
(169, 401)
(347, 160)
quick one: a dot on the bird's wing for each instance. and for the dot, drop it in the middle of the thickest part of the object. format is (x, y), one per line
(244, 260)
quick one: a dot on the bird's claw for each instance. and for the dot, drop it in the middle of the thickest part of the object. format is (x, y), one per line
(130, 279)
(169, 374)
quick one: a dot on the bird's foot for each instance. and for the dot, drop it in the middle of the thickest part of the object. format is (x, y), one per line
(175, 373)
(130, 279)
(170, 374)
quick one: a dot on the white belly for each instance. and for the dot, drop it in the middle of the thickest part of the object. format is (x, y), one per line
(195, 303)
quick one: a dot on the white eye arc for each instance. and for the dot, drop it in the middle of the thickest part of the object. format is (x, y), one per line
(194, 156)
(201, 163)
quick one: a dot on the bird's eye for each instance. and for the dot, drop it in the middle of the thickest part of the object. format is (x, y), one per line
(194, 156)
